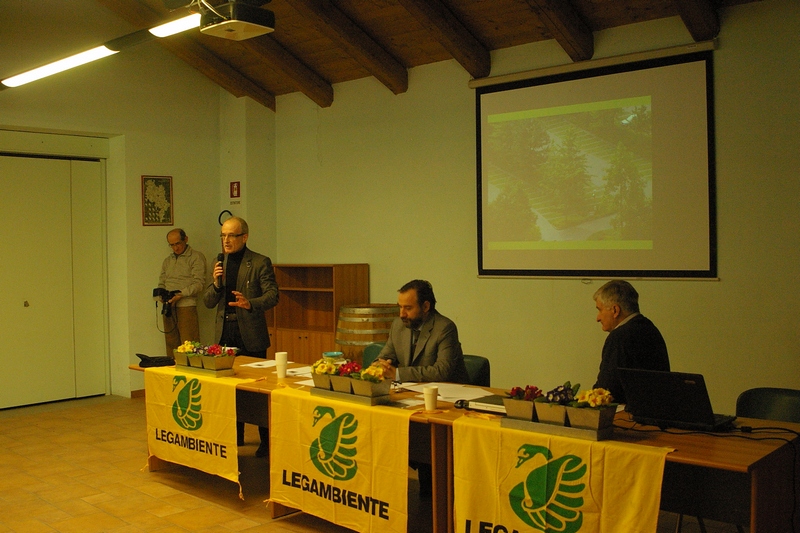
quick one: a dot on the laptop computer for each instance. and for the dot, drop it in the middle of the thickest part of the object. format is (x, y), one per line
(489, 404)
(671, 400)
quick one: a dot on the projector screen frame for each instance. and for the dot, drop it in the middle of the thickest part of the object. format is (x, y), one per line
(708, 183)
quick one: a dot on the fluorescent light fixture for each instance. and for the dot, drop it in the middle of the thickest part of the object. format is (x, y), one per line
(111, 47)
(58, 66)
(176, 26)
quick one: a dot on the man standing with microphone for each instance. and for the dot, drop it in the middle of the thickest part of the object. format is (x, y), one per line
(243, 288)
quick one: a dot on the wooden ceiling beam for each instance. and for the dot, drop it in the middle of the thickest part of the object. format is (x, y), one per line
(452, 34)
(566, 27)
(193, 53)
(338, 27)
(304, 79)
(700, 18)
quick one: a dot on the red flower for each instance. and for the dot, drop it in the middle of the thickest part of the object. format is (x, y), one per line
(349, 368)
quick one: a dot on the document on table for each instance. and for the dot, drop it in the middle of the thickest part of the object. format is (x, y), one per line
(303, 371)
(262, 364)
(449, 392)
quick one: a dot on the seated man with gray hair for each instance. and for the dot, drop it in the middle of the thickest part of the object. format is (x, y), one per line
(633, 340)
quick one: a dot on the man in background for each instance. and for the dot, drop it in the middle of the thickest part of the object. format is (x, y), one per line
(633, 340)
(423, 344)
(243, 288)
(182, 272)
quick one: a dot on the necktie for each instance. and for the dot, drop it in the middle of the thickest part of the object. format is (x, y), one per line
(414, 337)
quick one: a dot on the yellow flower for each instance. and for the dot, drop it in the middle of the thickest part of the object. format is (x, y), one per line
(595, 397)
(323, 367)
(372, 373)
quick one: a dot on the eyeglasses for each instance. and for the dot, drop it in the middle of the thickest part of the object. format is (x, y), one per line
(175, 244)
(229, 236)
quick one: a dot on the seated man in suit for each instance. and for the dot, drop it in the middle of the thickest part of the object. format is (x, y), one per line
(423, 344)
(633, 340)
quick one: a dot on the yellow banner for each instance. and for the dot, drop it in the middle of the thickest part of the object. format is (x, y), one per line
(343, 462)
(510, 480)
(191, 420)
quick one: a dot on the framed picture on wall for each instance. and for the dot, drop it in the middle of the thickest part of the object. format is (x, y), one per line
(157, 201)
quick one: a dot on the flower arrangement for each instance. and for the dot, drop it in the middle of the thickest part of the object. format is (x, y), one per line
(220, 351)
(373, 373)
(529, 393)
(594, 398)
(350, 369)
(189, 347)
(324, 366)
(562, 395)
(194, 348)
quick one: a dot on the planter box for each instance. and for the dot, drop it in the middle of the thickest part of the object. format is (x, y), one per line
(551, 413)
(520, 409)
(196, 361)
(217, 363)
(180, 358)
(322, 381)
(368, 388)
(585, 418)
(341, 384)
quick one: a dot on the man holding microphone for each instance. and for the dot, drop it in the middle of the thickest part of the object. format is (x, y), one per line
(243, 288)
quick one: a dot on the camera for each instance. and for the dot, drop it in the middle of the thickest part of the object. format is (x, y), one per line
(164, 296)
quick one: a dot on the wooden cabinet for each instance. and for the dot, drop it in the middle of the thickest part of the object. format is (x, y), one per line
(304, 321)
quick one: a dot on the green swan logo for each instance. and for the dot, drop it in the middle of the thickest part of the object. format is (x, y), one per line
(334, 451)
(548, 499)
(186, 408)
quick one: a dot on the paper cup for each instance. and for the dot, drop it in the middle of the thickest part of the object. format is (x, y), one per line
(431, 393)
(280, 364)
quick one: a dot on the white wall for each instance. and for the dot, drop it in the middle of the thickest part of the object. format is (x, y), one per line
(390, 180)
(163, 119)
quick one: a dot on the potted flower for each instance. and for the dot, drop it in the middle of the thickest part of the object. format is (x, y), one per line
(551, 408)
(342, 378)
(370, 382)
(196, 357)
(519, 403)
(181, 353)
(321, 372)
(218, 357)
(592, 409)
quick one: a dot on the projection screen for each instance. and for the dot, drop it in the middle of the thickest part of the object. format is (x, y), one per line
(599, 173)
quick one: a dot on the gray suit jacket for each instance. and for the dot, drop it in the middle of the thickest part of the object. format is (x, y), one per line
(256, 280)
(437, 356)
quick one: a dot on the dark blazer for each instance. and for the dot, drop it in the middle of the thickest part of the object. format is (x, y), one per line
(635, 344)
(256, 281)
(437, 356)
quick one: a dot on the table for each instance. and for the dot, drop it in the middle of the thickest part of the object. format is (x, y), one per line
(755, 482)
(716, 477)
(433, 442)
(729, 477)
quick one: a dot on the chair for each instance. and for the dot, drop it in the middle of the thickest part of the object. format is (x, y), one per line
(766, 403)
(371, 352)
(478, 370)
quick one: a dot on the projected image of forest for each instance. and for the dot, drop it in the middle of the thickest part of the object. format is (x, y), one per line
(575, 177)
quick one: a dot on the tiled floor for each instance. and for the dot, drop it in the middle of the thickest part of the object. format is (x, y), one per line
(80, 467)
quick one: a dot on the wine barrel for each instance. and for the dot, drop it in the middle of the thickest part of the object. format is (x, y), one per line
(361, 325)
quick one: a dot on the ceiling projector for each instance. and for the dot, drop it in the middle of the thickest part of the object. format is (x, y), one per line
(236, 20)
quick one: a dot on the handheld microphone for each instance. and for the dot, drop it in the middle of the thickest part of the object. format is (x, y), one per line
(220, 259)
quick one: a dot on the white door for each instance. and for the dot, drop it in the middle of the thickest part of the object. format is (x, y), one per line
(37, 317)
